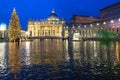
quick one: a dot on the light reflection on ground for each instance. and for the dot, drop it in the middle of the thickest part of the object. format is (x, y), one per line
(54, 59)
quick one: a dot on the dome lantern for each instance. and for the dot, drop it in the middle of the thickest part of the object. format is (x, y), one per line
(53, 16)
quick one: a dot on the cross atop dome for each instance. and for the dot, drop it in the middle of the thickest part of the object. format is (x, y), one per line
(53, 11)
(53, 16)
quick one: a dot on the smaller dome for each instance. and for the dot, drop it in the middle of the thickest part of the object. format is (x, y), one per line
(53, 16)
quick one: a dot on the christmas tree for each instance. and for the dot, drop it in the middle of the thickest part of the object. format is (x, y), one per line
(14, 27)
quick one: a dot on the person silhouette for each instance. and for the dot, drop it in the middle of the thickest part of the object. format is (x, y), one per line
(18, 40)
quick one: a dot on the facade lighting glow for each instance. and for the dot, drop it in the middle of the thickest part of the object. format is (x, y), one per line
(73, 27)
(27, 33)
(98, 24)
(67, 27)
(119, 19)
(113, 26)
(104, 22)
(111, 21)
(91, 25)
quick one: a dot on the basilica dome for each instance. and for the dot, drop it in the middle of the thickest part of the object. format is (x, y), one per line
(53, 16)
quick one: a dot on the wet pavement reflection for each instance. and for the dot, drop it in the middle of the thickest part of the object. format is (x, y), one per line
(55, 59)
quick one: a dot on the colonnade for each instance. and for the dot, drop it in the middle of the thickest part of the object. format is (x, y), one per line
(91, 32)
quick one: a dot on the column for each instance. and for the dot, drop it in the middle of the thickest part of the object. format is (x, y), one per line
(44, 31)
(50, 31)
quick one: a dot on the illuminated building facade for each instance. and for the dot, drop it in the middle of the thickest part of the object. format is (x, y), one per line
(110, 12)
(76, 19)
(51, 27)
(109, 20)
(110, 16)
(90, 30)
(82, 27)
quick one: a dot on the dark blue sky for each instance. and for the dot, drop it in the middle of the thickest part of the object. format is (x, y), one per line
(40, 9)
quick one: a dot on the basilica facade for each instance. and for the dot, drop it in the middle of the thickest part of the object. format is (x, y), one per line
(50, 27)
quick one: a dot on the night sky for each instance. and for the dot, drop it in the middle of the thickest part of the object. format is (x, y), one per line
(40, 9)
